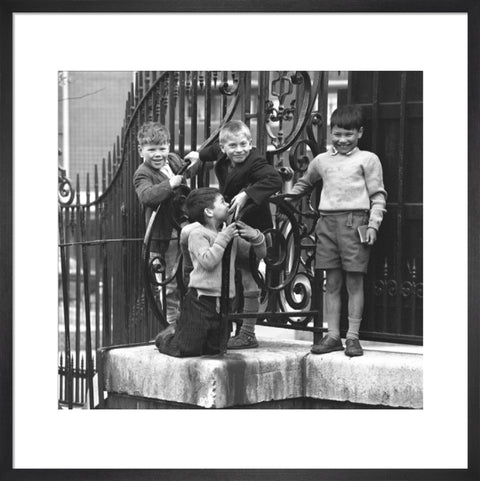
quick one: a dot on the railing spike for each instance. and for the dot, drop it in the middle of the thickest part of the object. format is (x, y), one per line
(78, 189)
(88, 188)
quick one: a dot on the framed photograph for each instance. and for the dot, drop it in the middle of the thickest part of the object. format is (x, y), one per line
(435, 47)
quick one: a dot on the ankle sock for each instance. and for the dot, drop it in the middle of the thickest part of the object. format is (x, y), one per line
(334, 334)
(353, 328)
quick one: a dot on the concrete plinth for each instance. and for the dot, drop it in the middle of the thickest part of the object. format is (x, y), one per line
(275, 371)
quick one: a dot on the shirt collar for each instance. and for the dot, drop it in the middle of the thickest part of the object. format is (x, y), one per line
(167, 170)
(335, 151)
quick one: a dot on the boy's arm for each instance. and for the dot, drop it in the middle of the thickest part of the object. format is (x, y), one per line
(207, 256)
(258, 244)
(149, 193)
(309, 179)
(378, 195)
(177, 163)
(211, 153)
(264, 181)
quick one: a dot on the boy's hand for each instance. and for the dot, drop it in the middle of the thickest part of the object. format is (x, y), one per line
(371, 236)
(230, 231)
(193, 157)
(237, 203)
(245, 231)
(175, 181)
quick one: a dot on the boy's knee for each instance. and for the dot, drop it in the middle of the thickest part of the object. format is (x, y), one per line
(248, 282)
(354, 282)
(334, 281)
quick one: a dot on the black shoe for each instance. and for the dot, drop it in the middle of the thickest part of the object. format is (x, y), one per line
(326, 345)
(242, 341)
(353, 348)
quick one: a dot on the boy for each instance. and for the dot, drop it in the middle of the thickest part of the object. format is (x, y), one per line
(198, 329)
(244, 177)
(155, 181)
(353, 195)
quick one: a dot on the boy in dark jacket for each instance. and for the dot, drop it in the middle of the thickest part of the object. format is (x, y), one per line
(244, 177)
(155, 181)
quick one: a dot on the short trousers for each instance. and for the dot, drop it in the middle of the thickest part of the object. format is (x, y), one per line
(199, 329)
(338, 242)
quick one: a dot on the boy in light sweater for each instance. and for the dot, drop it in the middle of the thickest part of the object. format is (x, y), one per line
(353, 195)
(198, 329)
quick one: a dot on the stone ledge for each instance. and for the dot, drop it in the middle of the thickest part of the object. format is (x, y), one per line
(276, 370)
(387, 378)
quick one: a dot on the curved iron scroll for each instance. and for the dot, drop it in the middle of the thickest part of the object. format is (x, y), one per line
(299, 114)
(66, 192)
(289, 281)
(156, 265)
(286, 276)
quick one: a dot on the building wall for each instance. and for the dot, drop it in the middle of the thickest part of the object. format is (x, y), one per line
(96, 110)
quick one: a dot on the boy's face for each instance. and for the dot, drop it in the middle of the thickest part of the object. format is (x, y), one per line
(154, 155)
(237, 147)
(345, 140)
(220, 209)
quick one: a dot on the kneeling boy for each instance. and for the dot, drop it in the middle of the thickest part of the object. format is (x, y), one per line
(199, 329)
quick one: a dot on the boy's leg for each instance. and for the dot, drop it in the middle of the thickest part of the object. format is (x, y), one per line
(332, 341)
(354, 281)
(193, 325)
(251, 295)
(333, 301)
(172, 297)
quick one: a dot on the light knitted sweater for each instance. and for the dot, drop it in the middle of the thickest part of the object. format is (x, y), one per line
(350, 182)
(206, 249)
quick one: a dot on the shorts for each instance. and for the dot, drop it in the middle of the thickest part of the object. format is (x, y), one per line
(338, 242)
(199, 329)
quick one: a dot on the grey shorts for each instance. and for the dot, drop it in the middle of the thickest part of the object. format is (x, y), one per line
(338, 242)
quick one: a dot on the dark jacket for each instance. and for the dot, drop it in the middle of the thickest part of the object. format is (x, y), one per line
(152, 188)
(255, 176)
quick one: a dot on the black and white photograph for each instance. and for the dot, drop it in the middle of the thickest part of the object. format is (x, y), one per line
(242, 241)
(260, 229)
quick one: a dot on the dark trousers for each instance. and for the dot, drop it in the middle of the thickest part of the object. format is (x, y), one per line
(198, 330)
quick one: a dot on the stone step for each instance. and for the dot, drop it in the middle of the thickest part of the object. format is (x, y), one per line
(387, 375)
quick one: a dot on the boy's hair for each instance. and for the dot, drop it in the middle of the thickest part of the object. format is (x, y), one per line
(198, 200)
(347, 117)
(153, 133)
(234, 127)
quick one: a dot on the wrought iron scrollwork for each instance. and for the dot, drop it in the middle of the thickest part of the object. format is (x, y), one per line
(286, 275)
(412, 287)
(302, 152)
(66, 192)
(156, 276)
(229, 87)
(286, 110)
(385, 286)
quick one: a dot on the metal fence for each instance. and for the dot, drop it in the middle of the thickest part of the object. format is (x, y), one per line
(106, 295)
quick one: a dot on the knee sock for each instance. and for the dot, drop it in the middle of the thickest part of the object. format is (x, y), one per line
(353, 328)
(251, 304)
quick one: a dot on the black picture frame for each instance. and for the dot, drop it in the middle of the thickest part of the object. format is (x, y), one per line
(472, 7)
